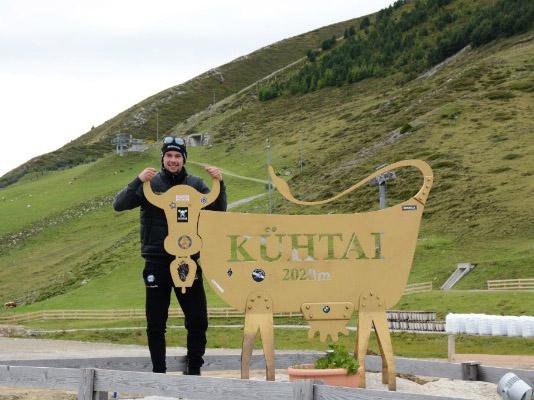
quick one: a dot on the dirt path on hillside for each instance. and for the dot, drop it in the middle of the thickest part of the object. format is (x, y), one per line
(230, 173)
(246, 200)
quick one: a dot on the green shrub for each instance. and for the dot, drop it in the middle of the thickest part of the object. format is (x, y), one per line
(512, 156)
(338, 357)
(328, 43)
(500, 95)
(406, 128)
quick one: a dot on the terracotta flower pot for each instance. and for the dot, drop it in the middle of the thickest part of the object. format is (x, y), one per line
(330, 376)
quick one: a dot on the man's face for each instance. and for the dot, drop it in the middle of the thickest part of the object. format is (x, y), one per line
(173, 161)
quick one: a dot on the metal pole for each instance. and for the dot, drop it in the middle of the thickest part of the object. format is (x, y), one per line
(157, 126)
(300, 151)
(269, 178)
(382, 190)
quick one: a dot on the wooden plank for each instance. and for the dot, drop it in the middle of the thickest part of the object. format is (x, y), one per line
(100, 395)
(36, 377)
(85, 389)
(303, 389)
(174, 363)
(119, 363)
(233, 362)
(440, 369)
(324, 392)
(451, 347)
(191, 387)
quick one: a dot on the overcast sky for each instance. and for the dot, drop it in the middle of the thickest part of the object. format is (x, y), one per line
(68, 65)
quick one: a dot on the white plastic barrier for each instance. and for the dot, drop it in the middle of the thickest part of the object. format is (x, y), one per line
(494, 325)
(528, 326)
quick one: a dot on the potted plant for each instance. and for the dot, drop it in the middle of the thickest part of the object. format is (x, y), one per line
(336, 368)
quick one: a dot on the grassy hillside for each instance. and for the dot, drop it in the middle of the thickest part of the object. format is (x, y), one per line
(70, 234)
(470, 119)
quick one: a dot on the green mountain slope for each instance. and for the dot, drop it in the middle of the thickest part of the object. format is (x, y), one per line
(470, 119)
(71, 234)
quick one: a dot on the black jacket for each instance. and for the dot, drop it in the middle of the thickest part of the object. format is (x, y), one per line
(153, 223)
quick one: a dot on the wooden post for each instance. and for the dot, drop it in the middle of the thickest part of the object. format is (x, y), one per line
(470, 371)
(451, 348)
(85, 390)
(303, 389)
(86, 387)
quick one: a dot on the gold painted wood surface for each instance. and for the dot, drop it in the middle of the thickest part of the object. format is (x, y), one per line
(313, 258)
(182, 205)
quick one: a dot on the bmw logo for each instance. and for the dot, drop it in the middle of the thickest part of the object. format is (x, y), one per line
(258, 274)
(326, 309)
(150, 278)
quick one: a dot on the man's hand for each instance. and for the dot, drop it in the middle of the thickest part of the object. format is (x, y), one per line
(214, 172)
(147, 174)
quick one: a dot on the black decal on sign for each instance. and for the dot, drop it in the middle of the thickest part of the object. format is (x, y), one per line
(182, 214)
(183, 271)
(258, 274)
(410, 207)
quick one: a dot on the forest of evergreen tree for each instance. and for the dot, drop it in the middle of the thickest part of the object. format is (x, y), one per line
(407, 37)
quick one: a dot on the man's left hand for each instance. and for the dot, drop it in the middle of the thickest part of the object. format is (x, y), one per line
(214, 172)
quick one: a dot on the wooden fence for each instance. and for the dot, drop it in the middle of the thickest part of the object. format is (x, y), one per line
(418, 288)
(511, 284)
(132, 314)
(92, 381)
(397, 320)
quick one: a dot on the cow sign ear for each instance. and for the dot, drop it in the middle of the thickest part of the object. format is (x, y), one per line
(151, 196)
(213, 194)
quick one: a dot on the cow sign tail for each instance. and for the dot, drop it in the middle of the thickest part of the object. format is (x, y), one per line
(425, 169)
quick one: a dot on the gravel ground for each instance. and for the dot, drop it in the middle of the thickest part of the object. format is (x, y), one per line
(27, 349)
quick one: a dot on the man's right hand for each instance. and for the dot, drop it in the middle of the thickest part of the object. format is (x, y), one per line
(147, 174)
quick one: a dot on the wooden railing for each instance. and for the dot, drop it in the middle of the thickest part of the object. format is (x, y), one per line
(93, 378)
(418, 288)
(397, 320)
(130, 314)
(408, 316)
(511, 284)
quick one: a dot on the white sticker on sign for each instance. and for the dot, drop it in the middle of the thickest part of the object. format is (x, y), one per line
(182, 197)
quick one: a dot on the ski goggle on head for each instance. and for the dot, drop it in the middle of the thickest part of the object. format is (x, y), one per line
(173, 140)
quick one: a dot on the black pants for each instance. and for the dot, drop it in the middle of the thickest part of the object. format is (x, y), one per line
(158, 284)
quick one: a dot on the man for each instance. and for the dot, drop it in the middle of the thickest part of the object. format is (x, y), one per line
(156, 273)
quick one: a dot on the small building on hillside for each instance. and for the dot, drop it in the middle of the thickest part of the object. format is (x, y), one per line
(124, 142)
(198, 139)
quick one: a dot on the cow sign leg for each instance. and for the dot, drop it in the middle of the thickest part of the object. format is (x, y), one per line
(267, 338)
(249, 336)
(386, 349)
(258, 315)
(384, 361)
(362, 343)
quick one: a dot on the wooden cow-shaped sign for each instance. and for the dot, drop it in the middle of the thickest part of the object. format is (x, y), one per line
(325, 266)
